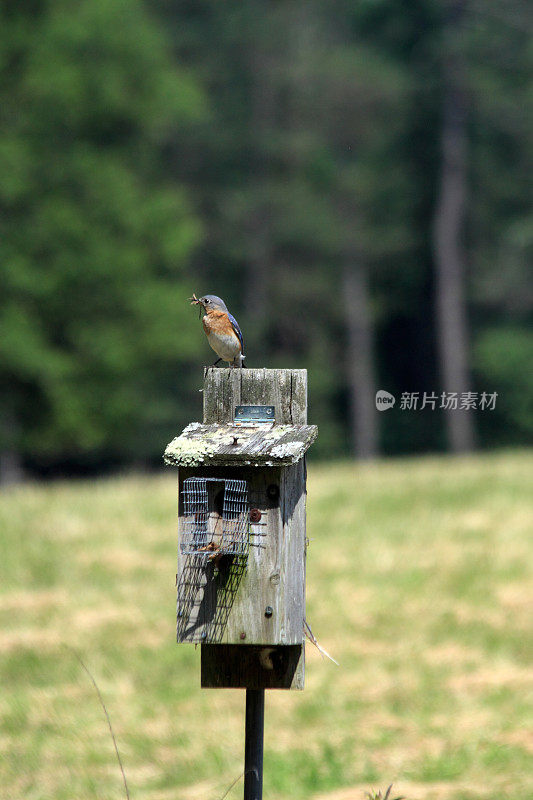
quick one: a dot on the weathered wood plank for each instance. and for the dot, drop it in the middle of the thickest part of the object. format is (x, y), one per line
(260, 599)
(228, 666)
(285, 389)
(293, 496)
(221, 388)
(228, 444)
(254, 387)
(275, 574)
(298, 405)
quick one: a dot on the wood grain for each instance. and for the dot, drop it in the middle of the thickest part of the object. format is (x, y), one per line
(222, 444)
(228, 666)
(285, 389)
(228, 602)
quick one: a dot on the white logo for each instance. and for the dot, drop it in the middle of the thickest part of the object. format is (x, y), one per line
(384, 400)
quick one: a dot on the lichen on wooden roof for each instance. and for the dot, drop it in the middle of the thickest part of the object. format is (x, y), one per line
(265, 445)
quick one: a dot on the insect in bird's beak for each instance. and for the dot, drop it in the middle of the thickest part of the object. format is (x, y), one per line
(195, 302)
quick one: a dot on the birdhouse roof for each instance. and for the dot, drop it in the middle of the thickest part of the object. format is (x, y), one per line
(267, 445)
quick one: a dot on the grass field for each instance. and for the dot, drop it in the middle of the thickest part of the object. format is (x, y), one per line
(419, 583)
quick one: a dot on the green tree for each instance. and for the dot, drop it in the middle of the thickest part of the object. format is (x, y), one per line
(449, 225)
(298, 167)
(94, 238)
(352, 149)
(501, 225)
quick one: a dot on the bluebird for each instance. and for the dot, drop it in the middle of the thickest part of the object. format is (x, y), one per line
(222, 330)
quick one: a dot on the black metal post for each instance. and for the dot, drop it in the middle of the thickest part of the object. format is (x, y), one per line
(253, 746)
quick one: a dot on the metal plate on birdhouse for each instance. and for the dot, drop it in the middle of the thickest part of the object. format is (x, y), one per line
(254, 415)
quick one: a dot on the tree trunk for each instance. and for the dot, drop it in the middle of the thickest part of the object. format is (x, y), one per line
(11, 468)
(449, 252)
(256, 299)
(360, 361)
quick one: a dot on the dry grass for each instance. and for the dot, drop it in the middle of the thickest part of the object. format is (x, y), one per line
(419, 583)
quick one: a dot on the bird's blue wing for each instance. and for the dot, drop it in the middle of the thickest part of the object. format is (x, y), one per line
(237, 330)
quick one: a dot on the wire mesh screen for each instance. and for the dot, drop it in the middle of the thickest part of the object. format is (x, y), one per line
(215, 517)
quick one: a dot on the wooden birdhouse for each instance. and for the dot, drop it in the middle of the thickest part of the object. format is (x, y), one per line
(241, 530)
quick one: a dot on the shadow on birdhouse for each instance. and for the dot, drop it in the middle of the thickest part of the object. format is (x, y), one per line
(214, 545)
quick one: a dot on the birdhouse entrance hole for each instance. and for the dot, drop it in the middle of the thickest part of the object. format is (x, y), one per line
(216, 517)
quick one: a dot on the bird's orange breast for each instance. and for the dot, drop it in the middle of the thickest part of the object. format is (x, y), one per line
(217, 322)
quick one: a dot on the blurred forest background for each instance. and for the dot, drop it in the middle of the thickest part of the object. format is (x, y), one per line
(352, 178)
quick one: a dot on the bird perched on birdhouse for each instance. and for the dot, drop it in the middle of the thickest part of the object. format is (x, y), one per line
(222, 329)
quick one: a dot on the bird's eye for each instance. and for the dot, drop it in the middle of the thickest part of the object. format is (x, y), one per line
(207, 301)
